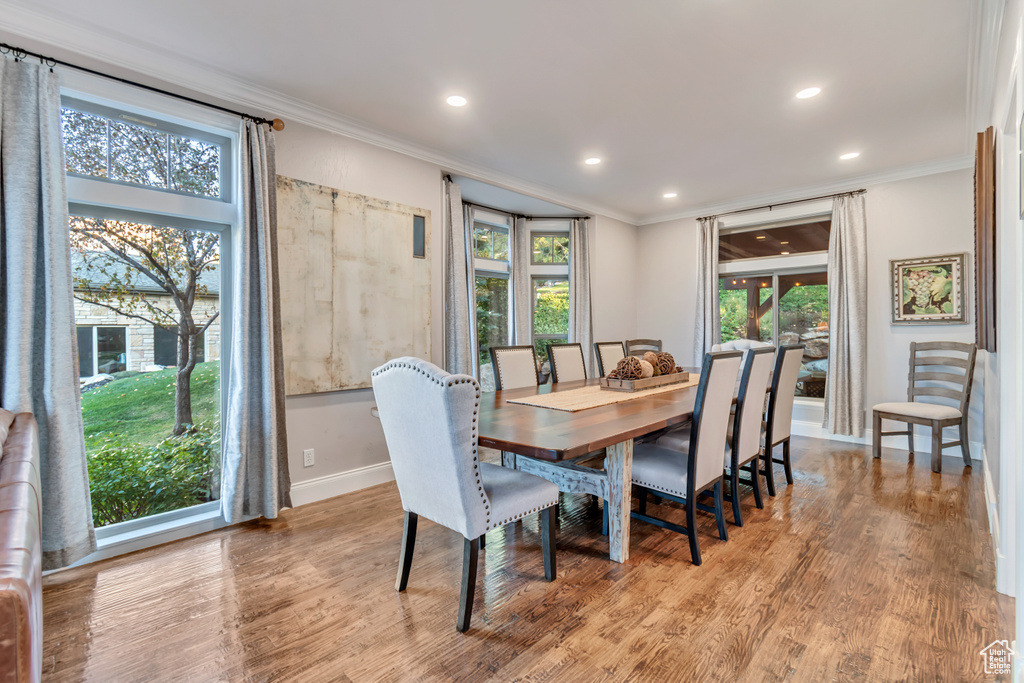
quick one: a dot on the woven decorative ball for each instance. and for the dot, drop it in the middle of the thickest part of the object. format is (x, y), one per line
(666, 363)
(629, 368)
(651, 357)
(647, 370)
(614, 374)
(678, 369)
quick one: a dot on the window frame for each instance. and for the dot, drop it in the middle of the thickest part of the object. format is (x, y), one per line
(534, 234)
(492, 228)
(94, 337)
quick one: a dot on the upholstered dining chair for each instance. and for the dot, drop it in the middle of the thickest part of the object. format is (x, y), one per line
(740, 345)
(746, 428)
(683, 475)
(779, 418)
(514, 367)
(637, 347)
(945, 377)
(566, 362)
(608, 356)
(430, 426)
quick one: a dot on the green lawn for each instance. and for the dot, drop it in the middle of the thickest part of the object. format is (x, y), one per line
(140, 407)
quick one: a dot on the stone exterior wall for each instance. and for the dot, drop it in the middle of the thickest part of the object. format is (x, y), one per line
(140, 334)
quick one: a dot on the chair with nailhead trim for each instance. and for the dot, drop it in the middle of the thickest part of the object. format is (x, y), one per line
(683, 476)
(430, 424)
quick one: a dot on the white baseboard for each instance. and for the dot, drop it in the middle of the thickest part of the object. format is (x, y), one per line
(922, 442)
(332, 485)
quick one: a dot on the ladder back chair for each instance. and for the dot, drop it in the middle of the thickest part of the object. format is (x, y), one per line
(637, 347)
(945, 377)
(430, 426)
(779, 421)
(682, 476)
(608, 356)
(566, 362)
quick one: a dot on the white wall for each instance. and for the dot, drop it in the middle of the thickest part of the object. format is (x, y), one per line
(926, 216)
(349, 443)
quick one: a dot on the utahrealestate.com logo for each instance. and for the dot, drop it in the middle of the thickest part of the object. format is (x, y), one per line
(998, 657)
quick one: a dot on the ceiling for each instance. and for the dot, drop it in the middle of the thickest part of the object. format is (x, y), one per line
(689, 96)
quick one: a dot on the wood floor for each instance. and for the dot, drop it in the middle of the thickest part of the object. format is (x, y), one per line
(863, 570)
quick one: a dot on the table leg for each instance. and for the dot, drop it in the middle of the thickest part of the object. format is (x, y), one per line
(619, 466)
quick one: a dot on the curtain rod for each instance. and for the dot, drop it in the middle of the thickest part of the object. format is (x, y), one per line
(519, 215)
(794, 201)
(19, 54)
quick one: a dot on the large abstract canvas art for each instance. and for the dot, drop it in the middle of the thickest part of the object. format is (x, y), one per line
(353, 293)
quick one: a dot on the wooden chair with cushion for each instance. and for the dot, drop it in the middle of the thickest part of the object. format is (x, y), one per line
(637, 347)
(430, 426)
(947, 377)
(566, 362)
(608, 356)
(778, 427)
(743, 446)
(683, 475)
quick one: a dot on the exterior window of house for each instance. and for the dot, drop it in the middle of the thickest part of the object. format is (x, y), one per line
(151, 213)
(550, 249)
(784, 304)
(493, 298)
(490, 241)
(550, 313)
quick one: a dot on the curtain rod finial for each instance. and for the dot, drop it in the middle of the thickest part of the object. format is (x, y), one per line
(277, 124)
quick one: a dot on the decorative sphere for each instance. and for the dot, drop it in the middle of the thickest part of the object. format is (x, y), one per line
(647, 370)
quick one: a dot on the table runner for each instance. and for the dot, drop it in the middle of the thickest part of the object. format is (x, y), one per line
(594, 396)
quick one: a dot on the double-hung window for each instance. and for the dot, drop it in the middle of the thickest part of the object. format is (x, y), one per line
(492, 267)
(549, 274)
(773, 287)
(152, 202)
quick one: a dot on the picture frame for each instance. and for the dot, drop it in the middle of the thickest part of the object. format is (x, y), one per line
(928, 291)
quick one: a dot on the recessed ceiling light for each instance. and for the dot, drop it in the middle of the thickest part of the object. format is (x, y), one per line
(783, 242)
(592, 161)
(849, 155)
(762, 237)
(784, 253)
(670, 195)
(456, 101)
(808, 92)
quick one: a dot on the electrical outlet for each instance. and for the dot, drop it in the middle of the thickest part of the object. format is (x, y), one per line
(307, 458)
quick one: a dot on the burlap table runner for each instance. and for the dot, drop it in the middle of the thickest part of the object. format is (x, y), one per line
(594, 396)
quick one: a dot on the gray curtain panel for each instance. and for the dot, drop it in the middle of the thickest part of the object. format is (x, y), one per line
(38, 348)
(706, 330)
(459, 286)
(581, 319)
(522, 296)
(847, 314)
(255, 480)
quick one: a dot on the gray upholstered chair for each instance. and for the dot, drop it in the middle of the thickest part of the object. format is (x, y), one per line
(608, 356)
(740, 345)
(779, 420)
(637, 347)
(566, 362)
(514, 367)
(945, 377)
(430, 425)
(682, 476)
(746, 428)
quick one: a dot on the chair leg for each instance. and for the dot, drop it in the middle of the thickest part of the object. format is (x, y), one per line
(965, 444)
(936, 447)
(910, 437)
(483, 540)
(755, 480)
(547, 525)
(642, 505)
(719, 513)
(604, 517)
(405, 558)
(876, 434)
(787, 462)
(470, 553)
(734, 489)
(769, 476)
(691, 528)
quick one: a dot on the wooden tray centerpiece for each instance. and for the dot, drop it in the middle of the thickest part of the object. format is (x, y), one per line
(637, 374)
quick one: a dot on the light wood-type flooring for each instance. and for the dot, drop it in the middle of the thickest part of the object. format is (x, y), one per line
(865, 569)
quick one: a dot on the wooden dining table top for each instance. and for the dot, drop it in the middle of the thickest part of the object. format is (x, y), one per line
(555, 435)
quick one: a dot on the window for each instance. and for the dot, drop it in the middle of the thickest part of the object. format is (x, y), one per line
(493, 298)
(490, 241)
(785, 302)
(550, 313)
(102, 350)
(550, 248)
(150, 215)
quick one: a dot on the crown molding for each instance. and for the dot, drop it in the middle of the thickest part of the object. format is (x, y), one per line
(956, 163)
(193, 76)
(982, 53)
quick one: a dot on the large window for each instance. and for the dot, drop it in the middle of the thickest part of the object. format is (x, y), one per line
(781, 299)
(491, 252)
(550, 313)
(550, 248)
(150, 216)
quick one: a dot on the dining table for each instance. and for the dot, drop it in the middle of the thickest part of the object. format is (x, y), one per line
(546, 442)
